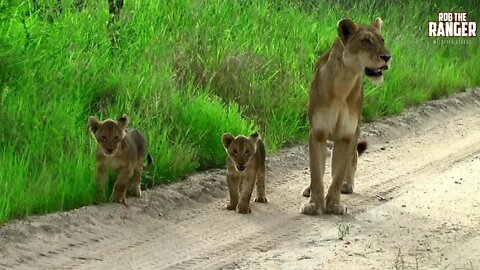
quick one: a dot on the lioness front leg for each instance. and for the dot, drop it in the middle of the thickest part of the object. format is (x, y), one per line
(248, 182)
(233, 183)
(120, 188)
(260, 183)
(318, 155)
(341, 157)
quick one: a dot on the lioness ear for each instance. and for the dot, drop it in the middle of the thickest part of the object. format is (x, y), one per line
(93, 124)
(378, 23)
(123, 121)
(255, 137)
(346, 28)
(227, 139)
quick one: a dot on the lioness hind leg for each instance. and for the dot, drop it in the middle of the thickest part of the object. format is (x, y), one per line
(347, 187)
(233, 183)
(318, 155)
(260, 182)
(341, 157)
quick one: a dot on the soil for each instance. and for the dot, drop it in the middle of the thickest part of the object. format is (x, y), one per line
(415, 206)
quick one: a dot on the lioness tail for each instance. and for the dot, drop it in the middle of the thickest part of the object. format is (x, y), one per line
(361, 147)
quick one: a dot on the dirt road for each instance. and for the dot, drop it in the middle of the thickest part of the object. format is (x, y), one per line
(416, 206)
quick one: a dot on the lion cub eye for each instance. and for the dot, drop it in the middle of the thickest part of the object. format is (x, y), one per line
(247, 152)
(115, 138)
(235, 152)
(103, 138)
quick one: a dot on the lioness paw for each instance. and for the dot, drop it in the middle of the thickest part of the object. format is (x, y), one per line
(243, 208)
(229, 206)
(261, 200)
(309, 209)
(306, 191)
(336, 210)
(347, 189)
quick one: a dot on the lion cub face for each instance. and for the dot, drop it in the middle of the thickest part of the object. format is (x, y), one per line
(109, 133)
(240, 149)
(364, 46)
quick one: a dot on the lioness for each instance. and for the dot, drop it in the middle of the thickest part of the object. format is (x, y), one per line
(347, 187)
(335, 107)
(121, 150)
(245, 167)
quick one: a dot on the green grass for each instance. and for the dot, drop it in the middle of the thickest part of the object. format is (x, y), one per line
(185, 72)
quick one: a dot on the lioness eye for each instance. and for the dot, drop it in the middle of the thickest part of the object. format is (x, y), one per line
(366, 41)
(235, 152)
(116, 138)
(104, 138)
(247, 152)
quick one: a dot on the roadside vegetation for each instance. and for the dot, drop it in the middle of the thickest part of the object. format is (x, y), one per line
(185, 72)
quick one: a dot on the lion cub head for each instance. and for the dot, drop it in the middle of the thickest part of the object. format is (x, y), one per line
(109, 133)
(364, 46)
(240, 149)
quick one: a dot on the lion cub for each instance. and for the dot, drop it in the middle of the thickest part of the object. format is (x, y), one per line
(245, 167)
(121, 150)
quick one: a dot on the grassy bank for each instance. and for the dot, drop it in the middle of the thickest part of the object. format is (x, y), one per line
(185, 72)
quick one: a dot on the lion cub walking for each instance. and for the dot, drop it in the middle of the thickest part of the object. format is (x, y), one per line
(245, 167)
(121, 150)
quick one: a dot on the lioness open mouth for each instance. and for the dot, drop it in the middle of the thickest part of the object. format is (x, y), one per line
(375, 72)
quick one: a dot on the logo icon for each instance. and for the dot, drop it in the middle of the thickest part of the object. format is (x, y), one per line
(452, 24)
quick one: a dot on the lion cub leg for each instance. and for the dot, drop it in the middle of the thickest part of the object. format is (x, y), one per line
(318, 155)
(341, 159)
(120, 188)
(260, 183)
(135, 182)
(102, 172)
(233, 183)
(248, 182)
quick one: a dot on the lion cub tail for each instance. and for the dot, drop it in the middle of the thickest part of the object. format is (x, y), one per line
(149, 162)
(361, 147)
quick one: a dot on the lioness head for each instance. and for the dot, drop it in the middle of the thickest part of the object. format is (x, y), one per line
(109, 133)
(364, 46)
(240, 149)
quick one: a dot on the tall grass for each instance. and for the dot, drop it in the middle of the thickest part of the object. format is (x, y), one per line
(185, 72)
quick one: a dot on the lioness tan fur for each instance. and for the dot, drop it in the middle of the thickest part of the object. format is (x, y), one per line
(335, 107)
(245, 168)
(121, 150)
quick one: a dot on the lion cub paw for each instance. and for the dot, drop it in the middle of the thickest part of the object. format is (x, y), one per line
(347, 189)
(336, 210)
(309, 209)
(229, 206)
(306, 192)
(243, 208)
(261, 200)
(118, 198)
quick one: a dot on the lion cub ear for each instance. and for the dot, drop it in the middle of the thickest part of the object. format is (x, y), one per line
(123, 121)
(93, 124)
(346, 28)
(227, 139)
(378, 23)
(255, 137)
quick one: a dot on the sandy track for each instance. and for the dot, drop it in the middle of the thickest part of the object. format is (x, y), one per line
(416, 203)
